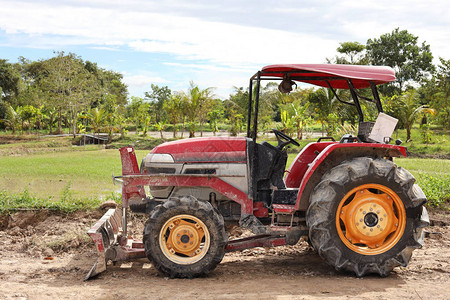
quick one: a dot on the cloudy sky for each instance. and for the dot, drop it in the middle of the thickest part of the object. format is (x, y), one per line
(213, 43)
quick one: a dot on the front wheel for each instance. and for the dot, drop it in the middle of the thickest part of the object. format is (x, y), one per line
(366, 216)
(185, 237)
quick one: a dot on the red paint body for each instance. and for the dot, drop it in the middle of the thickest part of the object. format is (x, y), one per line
(308, 160)
(317, 74)
(211, 149)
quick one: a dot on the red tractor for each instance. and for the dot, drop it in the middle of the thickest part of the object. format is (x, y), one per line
(360, 211)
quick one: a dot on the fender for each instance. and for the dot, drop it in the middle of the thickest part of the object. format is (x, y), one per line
(317, 158)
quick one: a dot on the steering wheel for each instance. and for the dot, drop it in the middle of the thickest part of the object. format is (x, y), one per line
(283, 139)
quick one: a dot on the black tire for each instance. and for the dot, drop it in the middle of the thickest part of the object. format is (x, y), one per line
(178, 223)
(335, 212)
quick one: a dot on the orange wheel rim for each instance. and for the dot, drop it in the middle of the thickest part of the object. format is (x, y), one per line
(370, 219)
(184, 239)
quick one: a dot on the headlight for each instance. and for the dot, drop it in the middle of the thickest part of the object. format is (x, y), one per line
(158, 158)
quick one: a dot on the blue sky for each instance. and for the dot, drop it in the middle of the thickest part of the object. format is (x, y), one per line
(213, 43)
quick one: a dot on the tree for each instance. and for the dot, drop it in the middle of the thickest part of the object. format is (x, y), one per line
(353, 54)
(97, 119)
(436, 92)
(12, 119)
(286, 123)
(158, 96)
(300, 118)
(192, 99)
(174, 109)
(408, 109)
(160, 126)
(27, 115)
(213, 118)
(322, 100)
(204, 106)
(134, 111)
(69, 84)
(399, 50)
(9, 80)
(109, 83)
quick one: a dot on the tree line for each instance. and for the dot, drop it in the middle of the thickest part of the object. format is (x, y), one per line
(66, 92)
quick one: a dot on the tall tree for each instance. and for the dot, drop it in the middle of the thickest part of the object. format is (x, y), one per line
(407, 109)
(322, 100)
(71, 86)
(158, 96)
(400, 50)
(109, 83)
(174, 109)
(352, 53)
(9, 80)
(197, 103)
(436, 92)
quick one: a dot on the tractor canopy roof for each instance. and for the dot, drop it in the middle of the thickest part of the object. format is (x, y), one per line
(328, 75)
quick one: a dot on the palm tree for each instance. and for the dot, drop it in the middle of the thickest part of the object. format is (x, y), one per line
(160, 126)
(198, 103)
(96, 116)
(12, 120)
(409, 110)
(50, 116)
(213, 117)
(322, 100)
(300, 118)
(192, 100)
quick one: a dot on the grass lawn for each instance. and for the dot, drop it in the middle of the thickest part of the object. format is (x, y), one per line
(87, 172)
(80, 177)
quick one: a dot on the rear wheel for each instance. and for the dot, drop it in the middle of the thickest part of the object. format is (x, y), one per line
(185, 237)
(366, 215)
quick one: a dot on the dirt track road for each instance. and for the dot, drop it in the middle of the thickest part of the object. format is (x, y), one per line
(293, 272)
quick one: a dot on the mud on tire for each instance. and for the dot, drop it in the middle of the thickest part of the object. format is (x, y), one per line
(366, 216)
(185, 237)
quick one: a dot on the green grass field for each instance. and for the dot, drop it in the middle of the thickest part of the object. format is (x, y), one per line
(70, 178)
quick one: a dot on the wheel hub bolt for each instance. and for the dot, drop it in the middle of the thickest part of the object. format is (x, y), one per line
(185, 239)
(371, 219)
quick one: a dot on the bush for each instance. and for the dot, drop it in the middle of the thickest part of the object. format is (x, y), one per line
(437, 189)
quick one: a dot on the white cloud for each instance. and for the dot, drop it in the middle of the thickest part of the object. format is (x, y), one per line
(218, 43)
(186, 37)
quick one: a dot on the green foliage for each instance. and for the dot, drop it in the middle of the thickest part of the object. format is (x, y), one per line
(158, 97)
(237, 124)
(160, 126)
(399, 50)
(12, 119)
(436, 188)
(353, 54)
(432, 175)
(407, 109)
(174, 109)
(425, 133)
(322, 101)
(300, 118)
(10, 202)
(436, 92)
(286, 123)
(197, 103)
(213, 118)
(9, 80)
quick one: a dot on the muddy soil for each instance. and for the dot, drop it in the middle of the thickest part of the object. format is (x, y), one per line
(46, 256)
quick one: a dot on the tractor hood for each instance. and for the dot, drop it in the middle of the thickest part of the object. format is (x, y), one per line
(204, 150)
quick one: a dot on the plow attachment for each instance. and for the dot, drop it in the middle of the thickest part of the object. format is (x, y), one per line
(111, 242)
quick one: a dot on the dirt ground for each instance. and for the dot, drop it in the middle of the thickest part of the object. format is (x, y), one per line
(28, 240)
